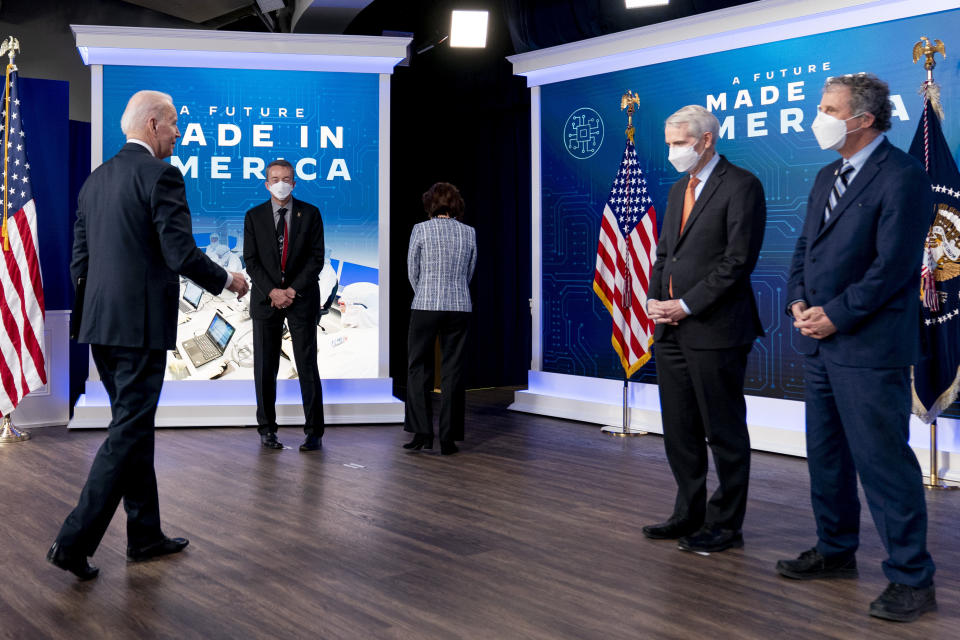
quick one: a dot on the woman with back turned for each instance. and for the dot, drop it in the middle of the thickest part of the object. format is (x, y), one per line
(440, 262)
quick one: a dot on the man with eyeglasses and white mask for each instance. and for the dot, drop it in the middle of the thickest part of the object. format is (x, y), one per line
(701, 298)
(853, 293)
(283, 249)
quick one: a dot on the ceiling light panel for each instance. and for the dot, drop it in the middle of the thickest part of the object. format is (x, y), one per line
(468, 29)
(636, 4)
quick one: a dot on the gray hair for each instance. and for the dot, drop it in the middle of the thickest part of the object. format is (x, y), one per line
(868, 94)
(697, 119)
(142, 106)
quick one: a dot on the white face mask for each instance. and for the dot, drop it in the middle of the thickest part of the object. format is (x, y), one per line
(684, 158)
(830, 132)
(281, 190)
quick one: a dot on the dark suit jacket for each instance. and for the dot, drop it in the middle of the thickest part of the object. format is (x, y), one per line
(304, 258)
(863, 265)
(132, 237)
(712, 260)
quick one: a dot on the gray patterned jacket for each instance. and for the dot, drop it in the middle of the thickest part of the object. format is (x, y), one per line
(440, 262)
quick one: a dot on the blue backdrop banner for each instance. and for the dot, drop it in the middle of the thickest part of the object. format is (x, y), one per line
(233, 123)
(765, 97)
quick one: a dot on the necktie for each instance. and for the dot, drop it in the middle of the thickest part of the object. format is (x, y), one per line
(689, 199)
(282, 237)
(839, 186)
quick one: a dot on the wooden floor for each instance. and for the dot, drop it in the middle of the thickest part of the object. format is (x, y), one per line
(532, 531)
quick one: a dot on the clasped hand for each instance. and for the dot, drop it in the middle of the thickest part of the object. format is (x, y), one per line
(282, 298)
(666, 311)
(813, 321)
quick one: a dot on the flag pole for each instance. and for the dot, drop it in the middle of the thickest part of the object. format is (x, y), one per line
(9, 433)
(935, 482)
(624, 430)
(10, 47)
(629, 101)
(626, 409)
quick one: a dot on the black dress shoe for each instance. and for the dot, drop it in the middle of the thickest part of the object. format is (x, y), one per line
(420, 441)
(811, 565)
(711, 539)
(77, 565)
(902, 603)
(311, 443)
(269, 441)
(162, 548)
(448, 448)
(670, 530)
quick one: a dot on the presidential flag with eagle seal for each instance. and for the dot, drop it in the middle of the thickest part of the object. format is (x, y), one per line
(936, 375)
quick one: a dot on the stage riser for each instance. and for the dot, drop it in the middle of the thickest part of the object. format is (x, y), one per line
(776, 426)
(229, 403)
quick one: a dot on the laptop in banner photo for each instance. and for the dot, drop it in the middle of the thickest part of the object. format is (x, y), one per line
(190, 301)
(212, 344)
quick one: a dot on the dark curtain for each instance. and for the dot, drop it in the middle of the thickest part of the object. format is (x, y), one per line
(461, 116)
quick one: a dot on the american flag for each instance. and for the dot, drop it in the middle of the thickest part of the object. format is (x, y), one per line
(625, 255)
(22, 367)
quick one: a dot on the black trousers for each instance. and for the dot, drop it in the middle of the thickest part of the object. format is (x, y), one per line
(123, 466)
(425, 326)
(267, 336)
(702, 404)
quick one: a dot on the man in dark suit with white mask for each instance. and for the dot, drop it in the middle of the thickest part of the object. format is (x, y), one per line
(132, 239)
(854, 296)
(283, 249)
(702, 301)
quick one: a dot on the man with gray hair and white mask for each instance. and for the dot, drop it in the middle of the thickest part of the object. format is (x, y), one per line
(703, 304)
(132, 239)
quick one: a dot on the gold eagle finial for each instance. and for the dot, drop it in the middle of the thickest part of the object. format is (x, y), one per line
(10, 47)
(924, 48)
(629, 101)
